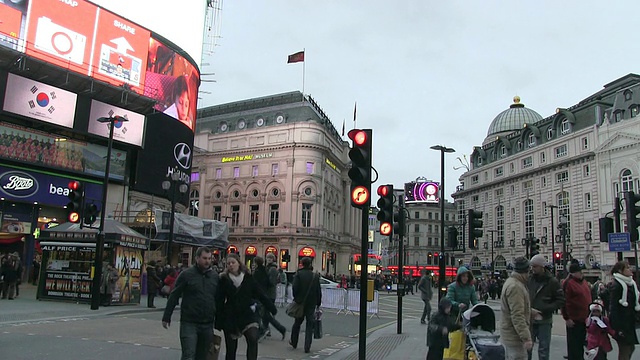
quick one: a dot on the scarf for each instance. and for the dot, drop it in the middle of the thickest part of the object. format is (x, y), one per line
(626, 282)
(597, 320)
(236, 279)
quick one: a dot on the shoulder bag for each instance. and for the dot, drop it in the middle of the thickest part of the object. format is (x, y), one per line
(296, 310)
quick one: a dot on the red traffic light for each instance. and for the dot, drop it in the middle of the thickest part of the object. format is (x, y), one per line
(74, 185)
(383, 190)
(359, 137)
(557, 255)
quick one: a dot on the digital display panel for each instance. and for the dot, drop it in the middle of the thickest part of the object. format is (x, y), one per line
(12, 16)
(131, 131)
(424, 192)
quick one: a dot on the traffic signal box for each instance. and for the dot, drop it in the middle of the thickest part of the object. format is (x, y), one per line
(633, 210)
(91, 212)
(474, 223)
(452, 237)
(76, 200)
(534, 247)
(360, 172)
(385, 209)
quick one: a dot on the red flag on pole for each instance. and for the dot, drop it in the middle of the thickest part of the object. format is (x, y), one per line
(297, 57)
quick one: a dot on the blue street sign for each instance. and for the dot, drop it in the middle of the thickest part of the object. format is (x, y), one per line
(619, 242)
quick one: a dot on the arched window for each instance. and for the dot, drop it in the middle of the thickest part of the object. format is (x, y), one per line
(532, 140)
(194, 202)
(627, 180)
(475, 263)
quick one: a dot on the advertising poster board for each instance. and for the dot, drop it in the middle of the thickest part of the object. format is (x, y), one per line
(131, 131)
(12, 15)
(67, 285)
(128, 263)
(39, 101)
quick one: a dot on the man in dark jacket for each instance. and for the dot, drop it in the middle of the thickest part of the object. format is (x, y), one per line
(153, 283)
(426, 293)
(546, 296)
(267, 279)
(197, 286)
(306, 291)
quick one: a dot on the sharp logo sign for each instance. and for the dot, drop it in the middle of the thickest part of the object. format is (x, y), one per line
(18, 184)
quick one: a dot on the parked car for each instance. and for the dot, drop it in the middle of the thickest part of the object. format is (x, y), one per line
(326, 283)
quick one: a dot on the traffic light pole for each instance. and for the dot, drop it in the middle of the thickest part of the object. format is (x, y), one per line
(364, 255)
(553, 242)
(401, 289)
(617, 223)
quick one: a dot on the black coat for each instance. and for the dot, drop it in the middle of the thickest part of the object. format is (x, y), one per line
(153, 281)
(435, 338)
(235, 304)
(304, 280)
(622, 318)
(198, 291)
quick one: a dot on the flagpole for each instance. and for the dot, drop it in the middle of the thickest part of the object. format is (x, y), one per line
(304, 64)
(355, 106)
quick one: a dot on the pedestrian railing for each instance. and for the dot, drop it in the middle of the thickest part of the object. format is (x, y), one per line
(342, 300)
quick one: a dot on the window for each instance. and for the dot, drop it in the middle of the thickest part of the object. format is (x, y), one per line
(627, 95)
(416, 215)
(586, 171)
(528, 219)
(617, 116)
(235, 215)
(512, 168)
(499, 193)
(429, 243)
(474, 179)
(545, 209)
(486, 176)
(513, 190)
(532, 140)
(543, 157)
(566, 126)
(309, 168)
(527, 185)
(587, 200)
(627, 180)
(499, 171)
(236, 172)
(500, 223)
(194, 195)
(437, 216)
(254, 170)
(527, 162)
(479, 161)
(416, 227)
(274, 169)
(634, 110)
(475, 198)
(519, 144)
(562, 177)
(585, 143)
(549, 133)
(561, 151)
(217, 213)
(429, 228)
(589, 226)
(543, 181)
(218, 173)
(254, 213)
(416, 241)
(564, 210)
(503, 151)
(306, 215)
(274, 214)
(446, 217)
(436, 228)
(513, 214)
(430, 215)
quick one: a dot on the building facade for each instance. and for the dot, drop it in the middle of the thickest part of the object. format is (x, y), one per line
(531, 173)
(275, 169)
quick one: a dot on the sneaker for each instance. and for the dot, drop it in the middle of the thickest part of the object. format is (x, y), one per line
(423, 322)
(291, 344)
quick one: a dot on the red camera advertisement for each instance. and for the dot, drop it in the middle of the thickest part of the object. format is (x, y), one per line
(10, 21)
(61, 32)
(173, 81)
(121, 49)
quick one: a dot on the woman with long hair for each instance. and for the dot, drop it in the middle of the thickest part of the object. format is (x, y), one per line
(623, 307)
(237, 313)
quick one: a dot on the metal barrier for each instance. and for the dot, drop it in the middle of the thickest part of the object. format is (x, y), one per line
(343, 300)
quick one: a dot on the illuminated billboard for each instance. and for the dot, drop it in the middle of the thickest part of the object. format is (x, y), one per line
(82, 37)
(39, 101)
(421, 192)
(131, 131)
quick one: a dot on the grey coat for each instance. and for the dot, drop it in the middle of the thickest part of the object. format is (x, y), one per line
(426, 292)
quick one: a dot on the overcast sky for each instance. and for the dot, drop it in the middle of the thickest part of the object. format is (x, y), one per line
(423, 72)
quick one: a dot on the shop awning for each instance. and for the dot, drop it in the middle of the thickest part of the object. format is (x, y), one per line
(114, 232)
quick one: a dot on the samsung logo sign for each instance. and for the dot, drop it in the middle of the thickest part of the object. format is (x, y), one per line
(18, 184)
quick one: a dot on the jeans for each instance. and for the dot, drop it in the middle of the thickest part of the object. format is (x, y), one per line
(541, 332)
(308, 336)
(195, 340)
(426, 312)
(576, 336)
(515, 351)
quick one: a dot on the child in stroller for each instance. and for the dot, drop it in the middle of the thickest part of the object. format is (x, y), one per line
(479, 324)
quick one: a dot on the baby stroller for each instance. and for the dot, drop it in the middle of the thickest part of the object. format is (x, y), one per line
(479, 326)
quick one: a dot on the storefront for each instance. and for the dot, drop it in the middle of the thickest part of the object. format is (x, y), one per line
(306, 251)
(250, 253)
(68, 254)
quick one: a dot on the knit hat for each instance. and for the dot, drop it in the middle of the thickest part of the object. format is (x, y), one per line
(538, 260)
(574, 268)
(521, 265)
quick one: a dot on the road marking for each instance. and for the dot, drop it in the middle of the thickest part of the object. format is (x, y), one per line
(59, 336)
(30, 334)
(85, 339)
(111, 341)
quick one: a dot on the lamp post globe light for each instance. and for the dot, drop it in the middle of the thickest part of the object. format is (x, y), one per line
(171, 186)
(441, 262)
(97, 264)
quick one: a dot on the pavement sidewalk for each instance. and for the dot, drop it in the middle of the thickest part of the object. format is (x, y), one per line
(26, 308)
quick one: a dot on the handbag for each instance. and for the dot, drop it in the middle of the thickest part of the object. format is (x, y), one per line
(317, 328)
(296, 310)
(457, 343)
(166, 290)
(214, 348)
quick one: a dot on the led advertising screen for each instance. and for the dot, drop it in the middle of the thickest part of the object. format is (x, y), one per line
(12, 16)
(39, 101)
(421, 192)
(131, 131)
(173, 81)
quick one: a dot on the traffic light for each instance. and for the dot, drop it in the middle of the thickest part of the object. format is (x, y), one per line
(399, 226)
(385, 209)
(633, 210)
(360, 172)
(474, 223)
(557, 255)
(452, 237)
(534, 247)
(76, 197)
(91, 212)
(605, 225)
(286, 257)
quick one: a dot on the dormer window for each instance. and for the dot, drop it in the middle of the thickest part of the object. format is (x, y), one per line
(503, 151)
(627, 95)
(549, 133)
(565, 126)
(519, 144)
(634, 110)
(479, 160)
(532, 140)
(617, 116)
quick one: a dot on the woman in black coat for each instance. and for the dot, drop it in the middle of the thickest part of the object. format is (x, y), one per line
(237, 313)
(624, 307)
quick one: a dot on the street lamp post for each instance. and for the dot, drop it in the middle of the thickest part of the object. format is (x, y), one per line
(97, 263)
(171, 186)
(563, 234)
(493, 266)
(553, 240)
(441, 263)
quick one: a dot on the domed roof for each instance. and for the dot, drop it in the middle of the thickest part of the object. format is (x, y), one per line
(513, 118)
